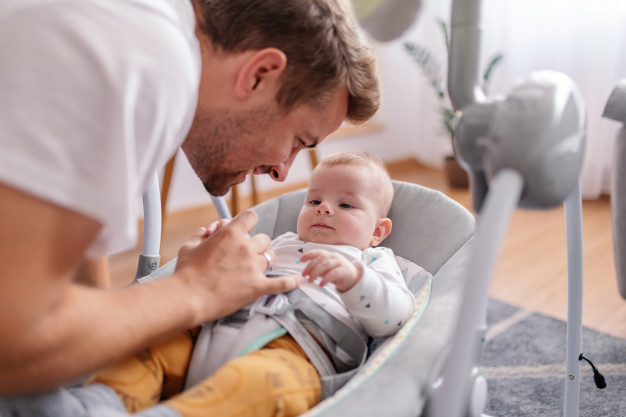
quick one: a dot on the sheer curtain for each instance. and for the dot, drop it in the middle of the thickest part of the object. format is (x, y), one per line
(585, 39)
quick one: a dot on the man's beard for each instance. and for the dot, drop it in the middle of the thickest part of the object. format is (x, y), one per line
(218, 143)
(219, 184)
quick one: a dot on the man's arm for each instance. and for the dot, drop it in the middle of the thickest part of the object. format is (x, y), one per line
(93, 273)
(54, 331)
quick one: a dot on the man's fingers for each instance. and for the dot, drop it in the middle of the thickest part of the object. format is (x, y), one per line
(277, 285)
(243, 224)
(269, 257)
(245, 221)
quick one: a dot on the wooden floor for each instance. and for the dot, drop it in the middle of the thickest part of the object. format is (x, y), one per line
(531, 271)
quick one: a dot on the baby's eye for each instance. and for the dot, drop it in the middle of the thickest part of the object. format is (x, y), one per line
(345, 205)
(315, 202)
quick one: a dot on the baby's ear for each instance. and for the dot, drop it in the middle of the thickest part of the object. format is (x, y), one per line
(381, 231)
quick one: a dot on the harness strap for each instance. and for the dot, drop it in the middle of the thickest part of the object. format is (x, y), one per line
(225, 339)
(306, 342)
(338, 338)
(331, 380)
(270, 317)
(344, 344)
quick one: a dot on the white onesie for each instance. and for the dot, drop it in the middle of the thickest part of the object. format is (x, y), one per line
(378, 305)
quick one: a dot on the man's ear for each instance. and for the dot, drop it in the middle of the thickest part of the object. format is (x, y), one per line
(260, 72)
(382, 230)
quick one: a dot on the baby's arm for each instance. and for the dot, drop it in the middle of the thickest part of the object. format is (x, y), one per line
(380, 300)
(374, 292)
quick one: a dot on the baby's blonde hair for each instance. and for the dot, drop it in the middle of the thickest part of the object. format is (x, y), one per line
(378, 171)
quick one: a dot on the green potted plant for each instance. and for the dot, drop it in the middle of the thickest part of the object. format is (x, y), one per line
(432, 70)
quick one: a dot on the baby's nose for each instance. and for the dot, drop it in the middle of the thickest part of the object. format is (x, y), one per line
(323, 209)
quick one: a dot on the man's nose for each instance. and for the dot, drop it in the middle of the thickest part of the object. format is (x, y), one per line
(279, 172)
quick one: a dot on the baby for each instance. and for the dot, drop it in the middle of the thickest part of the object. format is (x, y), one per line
(341, 224)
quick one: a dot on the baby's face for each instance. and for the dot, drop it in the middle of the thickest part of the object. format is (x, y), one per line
(341, 207)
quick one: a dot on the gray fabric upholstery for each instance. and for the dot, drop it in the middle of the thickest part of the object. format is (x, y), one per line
(435, 232)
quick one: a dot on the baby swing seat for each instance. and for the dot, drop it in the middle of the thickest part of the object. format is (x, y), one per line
(434, 232)
(431, 238)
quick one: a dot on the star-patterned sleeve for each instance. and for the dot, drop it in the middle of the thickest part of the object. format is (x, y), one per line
(381, 300)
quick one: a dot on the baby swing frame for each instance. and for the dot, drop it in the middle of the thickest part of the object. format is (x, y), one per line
(500, 180)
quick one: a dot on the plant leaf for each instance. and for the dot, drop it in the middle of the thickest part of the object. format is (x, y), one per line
(443, 25)
(493, 62)
(428, 64)
(432, 69)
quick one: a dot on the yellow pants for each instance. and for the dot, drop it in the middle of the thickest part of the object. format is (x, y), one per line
(277, 380)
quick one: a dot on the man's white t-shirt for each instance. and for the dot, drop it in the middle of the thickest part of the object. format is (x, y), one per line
(94, 97)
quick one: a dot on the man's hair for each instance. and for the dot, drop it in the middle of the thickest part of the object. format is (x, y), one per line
(324, 47)
(377, 170)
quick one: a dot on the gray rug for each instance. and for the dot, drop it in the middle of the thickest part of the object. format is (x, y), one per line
(524, 362)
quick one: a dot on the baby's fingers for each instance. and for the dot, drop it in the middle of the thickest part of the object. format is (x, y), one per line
(313, 269)
(309, 256)
(204, 232)
(216, 225)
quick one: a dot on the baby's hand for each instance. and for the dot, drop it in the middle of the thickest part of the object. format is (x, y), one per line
(331, 267)
(215, 226)
(204, 232)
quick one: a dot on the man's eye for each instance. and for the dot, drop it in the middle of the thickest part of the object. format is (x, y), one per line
(345, 205)
(303, 144)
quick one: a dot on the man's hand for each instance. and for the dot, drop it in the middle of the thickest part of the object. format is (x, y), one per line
(331, 267)
(225, 267)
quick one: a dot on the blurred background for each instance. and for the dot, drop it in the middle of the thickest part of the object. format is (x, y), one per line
(584, 39)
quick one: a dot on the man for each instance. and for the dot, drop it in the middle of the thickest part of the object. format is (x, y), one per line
(94, 97)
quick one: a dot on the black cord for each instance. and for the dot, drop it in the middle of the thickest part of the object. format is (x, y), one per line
(597, 376)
